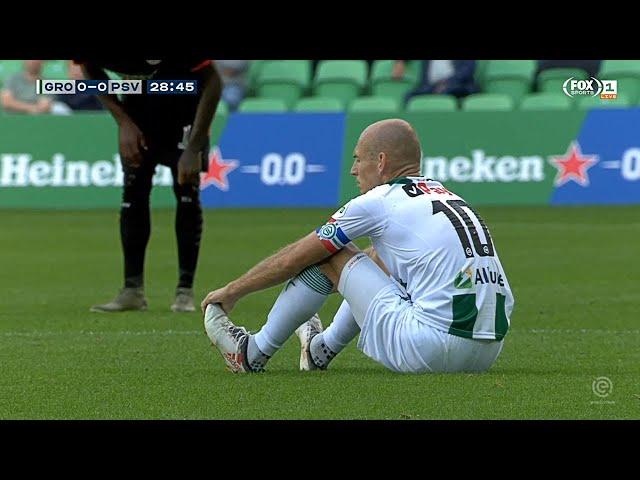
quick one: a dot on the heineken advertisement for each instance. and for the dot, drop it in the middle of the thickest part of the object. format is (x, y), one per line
(510, 158)
(68, 162)
(520, 158)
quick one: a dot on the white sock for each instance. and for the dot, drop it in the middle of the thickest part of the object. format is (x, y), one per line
(300, 299)
(326, 345)
(257, 360)
(342, 330)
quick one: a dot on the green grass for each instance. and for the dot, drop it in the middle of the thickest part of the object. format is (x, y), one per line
(573, 272)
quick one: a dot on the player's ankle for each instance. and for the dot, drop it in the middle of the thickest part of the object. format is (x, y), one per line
(321, 354)
(255, 357)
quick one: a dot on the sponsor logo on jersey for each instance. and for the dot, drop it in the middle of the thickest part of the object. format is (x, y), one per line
(420, 188)
(485, 275)
(463, 279)
(340, 213)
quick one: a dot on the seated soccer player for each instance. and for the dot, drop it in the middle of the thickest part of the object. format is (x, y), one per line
(431, 296)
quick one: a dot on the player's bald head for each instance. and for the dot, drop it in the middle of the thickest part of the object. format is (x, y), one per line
(395, 138)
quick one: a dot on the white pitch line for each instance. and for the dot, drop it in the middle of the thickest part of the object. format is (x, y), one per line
(90, 333)
(201, 332)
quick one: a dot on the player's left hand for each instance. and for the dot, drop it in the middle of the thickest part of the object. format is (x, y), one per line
(189, 167)
(223, 296)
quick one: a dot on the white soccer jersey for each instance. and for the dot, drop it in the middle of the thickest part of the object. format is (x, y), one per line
(436, 246)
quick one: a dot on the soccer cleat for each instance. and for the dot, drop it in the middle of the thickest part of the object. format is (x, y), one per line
(184, 300)
(127, 299)
(306, 332)
(230, 340)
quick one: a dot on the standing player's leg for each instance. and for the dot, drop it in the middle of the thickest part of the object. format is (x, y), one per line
(135, 229)
(135, 222)
(188, 228)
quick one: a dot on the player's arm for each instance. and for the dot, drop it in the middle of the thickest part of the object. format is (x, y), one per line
(190, 162)
(12, 104)
(274, 270)
(111, 102)
(131, 138)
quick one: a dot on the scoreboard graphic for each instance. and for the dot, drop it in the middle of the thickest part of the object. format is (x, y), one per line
(116, 87)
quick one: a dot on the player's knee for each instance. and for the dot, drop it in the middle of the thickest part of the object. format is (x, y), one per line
(327, 270)
(134, 199)
(187, 194)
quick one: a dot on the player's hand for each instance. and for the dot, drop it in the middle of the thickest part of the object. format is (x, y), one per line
(223, 296)
(43, 106)
(132, 143)
(189, 167)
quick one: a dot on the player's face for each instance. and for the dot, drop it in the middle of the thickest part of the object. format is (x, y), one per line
(365, 170)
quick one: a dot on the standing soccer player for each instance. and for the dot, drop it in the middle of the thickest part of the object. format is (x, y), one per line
(171, 130)
(431, 296)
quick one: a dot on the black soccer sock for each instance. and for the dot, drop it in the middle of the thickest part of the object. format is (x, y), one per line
(188, 231)
(135, 225)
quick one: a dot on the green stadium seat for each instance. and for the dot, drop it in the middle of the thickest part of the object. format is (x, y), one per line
(588, 102)
(509, 77)
(432, 103)
(484, 102)
(341, 79)
(8, 68)
(223, 108)
(319, 104)
(546, 101)
(375, 104)
(627, 73)
(285, 79)
(552, 79)
(479, 72)
(255, 67)
(55, 69)
(263, 105)
(383, 85)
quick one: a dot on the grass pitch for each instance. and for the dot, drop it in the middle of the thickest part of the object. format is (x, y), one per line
(573, 272)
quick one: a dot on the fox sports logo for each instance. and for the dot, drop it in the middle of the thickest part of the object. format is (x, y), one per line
(591, 87)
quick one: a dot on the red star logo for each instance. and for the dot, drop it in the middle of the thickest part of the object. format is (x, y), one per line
(573, 166)
(218, 171)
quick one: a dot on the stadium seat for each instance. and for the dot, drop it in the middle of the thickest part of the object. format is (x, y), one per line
(552, 79)
(383, 85)
(432, 103)
(8, 68)
(546, 101)
(622, 101)
(223, 108)
(483, 102)
(478, 74)
(375, 104)
(55, 69)
(509, 77)
(341, 79)
(627, 73)
(263, 105)
(255, 66)
(319, 104)
(285, 79)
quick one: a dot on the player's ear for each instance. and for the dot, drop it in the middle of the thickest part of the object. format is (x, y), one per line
(382, 162)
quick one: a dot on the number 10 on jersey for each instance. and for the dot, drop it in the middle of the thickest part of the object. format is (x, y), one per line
(450, 208)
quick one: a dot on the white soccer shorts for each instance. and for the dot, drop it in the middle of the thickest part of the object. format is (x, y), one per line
(392, 335)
